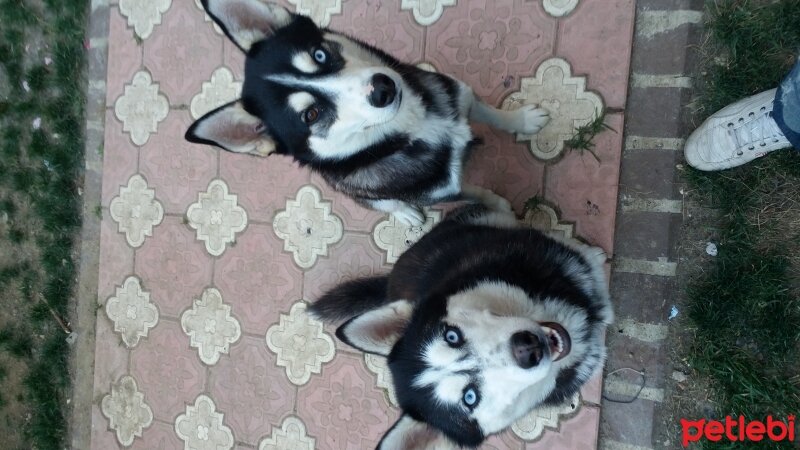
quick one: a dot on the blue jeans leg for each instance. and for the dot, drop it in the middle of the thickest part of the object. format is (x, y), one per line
(786, 111)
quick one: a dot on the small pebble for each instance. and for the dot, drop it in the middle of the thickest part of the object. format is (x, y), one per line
(711, 249)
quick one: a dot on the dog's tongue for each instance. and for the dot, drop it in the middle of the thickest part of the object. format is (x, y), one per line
(559, 340)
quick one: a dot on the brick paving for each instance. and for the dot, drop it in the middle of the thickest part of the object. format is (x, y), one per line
(201, 334)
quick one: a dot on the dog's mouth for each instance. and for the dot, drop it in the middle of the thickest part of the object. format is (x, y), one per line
(557, 339)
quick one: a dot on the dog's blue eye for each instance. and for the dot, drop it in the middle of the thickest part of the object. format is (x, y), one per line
(320, 56)
(470, 397)
(453, 336)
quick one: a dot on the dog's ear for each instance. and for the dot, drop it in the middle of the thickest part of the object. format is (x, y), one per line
(409, 434)
(247, 21)
(232, 128)
(377, 330)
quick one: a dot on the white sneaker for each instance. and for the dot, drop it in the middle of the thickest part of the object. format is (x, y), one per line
(736, 134)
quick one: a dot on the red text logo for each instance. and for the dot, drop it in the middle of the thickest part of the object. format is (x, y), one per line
(737, 430)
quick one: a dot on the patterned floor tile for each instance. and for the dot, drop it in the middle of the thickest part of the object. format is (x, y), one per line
(251, 390)
(380, 24)
(182, 52)
(120, 158)
(595, 39)
(169, 372)
(585, 190)
(490, 47)
(343, 409)
(124, 55)
(174, 266)
(258, 279)
(175, 168)
(281, 380)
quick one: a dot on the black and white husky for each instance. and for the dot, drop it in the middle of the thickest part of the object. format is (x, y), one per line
(482, 321)
(388, 134)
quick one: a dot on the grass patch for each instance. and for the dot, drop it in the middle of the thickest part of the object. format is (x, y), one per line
(40, 171)
(746, 306)
(584, 135)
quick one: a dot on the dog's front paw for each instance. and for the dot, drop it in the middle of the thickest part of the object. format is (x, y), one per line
(531, 119)
(409, 215)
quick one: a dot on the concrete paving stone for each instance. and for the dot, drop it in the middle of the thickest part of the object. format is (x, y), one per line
(649, 174)
(646, 235)
(642, 297)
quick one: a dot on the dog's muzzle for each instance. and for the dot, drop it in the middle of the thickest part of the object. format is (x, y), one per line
(527, 349)
(383, 91)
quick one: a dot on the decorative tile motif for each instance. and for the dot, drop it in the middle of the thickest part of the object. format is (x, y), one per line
(291, 436)
(210, 326)
(426, 12)
(300, 343)
(531, 426)
(221, 89)
(307, 226)
(544, 218)
(320, 11)
(136, 211)
(208, 18)
(558, 8)
(126, 410)
(201, 427)
(143, 15)
(217, 217)
(383, 376)
(395, 238)
(131, 311)
(564, 96)
(141, 107)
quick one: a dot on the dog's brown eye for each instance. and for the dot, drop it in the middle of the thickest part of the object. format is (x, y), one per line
(311, 115)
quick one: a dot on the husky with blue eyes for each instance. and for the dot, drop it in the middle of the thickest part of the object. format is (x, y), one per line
(392, 136)
(481, 321)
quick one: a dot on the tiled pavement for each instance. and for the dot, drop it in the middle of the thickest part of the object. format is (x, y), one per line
(208, 259)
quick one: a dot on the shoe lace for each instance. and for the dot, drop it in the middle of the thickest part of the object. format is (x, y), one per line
(755, 132)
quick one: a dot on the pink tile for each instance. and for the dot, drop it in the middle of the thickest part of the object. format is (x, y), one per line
(505, 166)
(116, 259)
(173, 266)
(355, 217)
(174, 167)
(233, 58)
(578, 432)
(491, 44)
(124, 55)
(257, 279)
(262, 184)
(252, 392)
(120, 158)
(103, 438)
(343, 408)
(167, 370)
(110, 355)
(596, 39)
(585, 191)
(502, 441)
(182, 52)
(355, 256)
(158, 436)
(592, 390)
(383, 26)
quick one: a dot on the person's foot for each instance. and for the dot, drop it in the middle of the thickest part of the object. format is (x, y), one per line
(736, 134)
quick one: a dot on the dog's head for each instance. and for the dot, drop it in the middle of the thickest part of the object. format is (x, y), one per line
(468, 364)
(308, 92)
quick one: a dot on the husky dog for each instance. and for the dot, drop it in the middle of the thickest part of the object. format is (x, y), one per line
(482, 321)
(388, 134)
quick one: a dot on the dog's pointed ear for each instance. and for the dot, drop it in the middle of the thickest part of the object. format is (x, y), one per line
(232, 128)
(376, 331)
(247, 21)
(409, 434)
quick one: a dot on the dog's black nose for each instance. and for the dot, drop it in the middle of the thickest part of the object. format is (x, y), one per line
(527, 349)
(383, 91)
